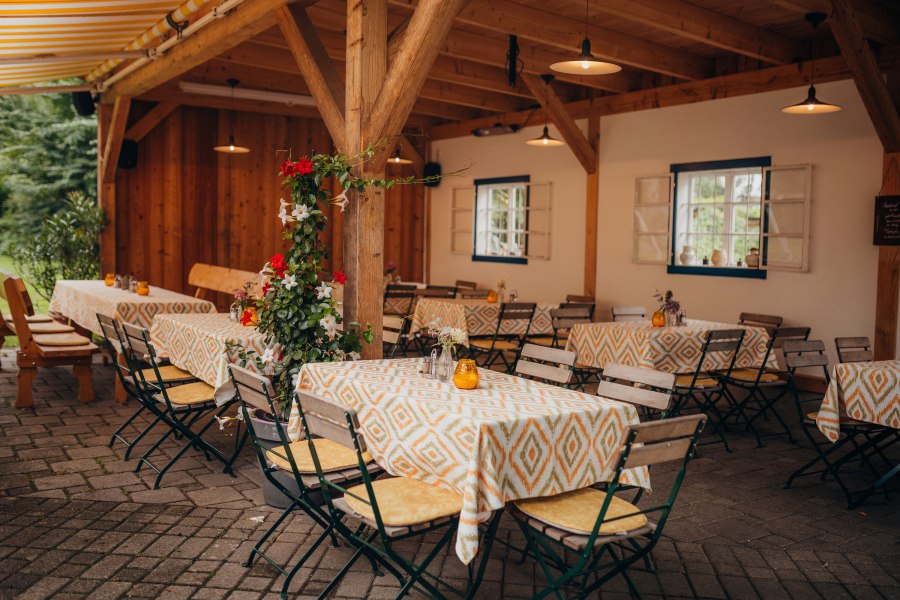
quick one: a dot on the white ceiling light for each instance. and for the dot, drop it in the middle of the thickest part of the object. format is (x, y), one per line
(205, 89)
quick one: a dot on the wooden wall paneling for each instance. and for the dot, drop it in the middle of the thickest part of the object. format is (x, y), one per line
(200, 190)
(173, 204)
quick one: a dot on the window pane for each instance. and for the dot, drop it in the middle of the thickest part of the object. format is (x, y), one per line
(519, 197)
(785, 252)
(786, 217)
(651, 219)
(499, 220)
(653, 248)
(707, 219)
(500, 198)
(498, 244)
(517, 247)
(741, 246)
(747, 187)
(518, 220)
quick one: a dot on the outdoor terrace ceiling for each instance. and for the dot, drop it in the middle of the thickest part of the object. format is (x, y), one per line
(659, 43)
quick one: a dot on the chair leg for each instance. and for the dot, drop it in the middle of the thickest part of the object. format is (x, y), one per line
(83, 373)
(24, 395)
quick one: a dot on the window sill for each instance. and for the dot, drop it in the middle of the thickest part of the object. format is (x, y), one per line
(513, 260)
(744, 272)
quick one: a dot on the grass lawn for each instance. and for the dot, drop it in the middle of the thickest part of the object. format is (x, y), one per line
(40, 304)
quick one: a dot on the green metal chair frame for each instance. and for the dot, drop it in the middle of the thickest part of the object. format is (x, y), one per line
(707, 398)
(644, 445)
(341, 425)
(395, 291)
(253, 391)
(509, 312)
(180, 419)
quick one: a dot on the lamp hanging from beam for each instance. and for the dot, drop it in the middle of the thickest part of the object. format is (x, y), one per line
(585, 63)
(396, 159)
(231, 147)
(812, 105)
(545, 138)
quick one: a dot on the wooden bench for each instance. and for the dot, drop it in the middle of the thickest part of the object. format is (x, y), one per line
(45, 349)
(210, 278)
(39, 323)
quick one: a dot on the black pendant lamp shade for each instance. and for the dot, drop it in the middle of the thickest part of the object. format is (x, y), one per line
(231, 147)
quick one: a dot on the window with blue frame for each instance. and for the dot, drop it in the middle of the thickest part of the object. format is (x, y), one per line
(501, 219)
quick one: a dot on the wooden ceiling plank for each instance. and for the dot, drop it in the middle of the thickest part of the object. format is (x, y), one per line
(113, 144)
(707, 26)
(325, 85)
(866, 73)
(878, 23)
(149, 121)
(578, 143)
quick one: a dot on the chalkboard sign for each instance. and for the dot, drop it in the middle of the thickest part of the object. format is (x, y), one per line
(887, 221)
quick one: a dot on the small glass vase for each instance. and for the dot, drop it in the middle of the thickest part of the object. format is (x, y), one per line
(443, 369)
(671, 319)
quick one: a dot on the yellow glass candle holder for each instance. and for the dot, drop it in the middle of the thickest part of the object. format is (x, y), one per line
(659, 318)
(143, 288)
(110, 279)
(466, 375)
(492, 297)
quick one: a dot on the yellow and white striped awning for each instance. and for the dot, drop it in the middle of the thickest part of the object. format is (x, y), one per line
(78, 33)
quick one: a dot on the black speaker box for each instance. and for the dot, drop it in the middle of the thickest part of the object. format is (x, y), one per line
(128, 156)
(432, 169)
(84, 103)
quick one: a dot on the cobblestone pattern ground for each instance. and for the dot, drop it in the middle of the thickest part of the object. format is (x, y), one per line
(77, 522)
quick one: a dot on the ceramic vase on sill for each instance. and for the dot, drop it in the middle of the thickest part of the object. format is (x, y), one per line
(687, 255)
(718, 258)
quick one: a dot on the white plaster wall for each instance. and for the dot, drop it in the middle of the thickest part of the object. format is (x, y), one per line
(836, 297)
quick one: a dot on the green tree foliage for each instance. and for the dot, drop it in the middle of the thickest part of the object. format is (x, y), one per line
(65, 246)
(46, 152)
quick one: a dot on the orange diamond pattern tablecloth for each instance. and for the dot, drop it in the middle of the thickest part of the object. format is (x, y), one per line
(80, 301)
(196, 343)
(867, 392)
(670, 349)
(476, 316)
(508, 439)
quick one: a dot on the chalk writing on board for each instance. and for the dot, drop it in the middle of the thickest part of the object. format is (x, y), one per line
(887, 221)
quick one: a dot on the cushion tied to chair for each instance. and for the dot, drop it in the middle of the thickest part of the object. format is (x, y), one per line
(50, 327)
(30, 318)
(60, 339)
(577, 511)
(332, 456)
(403, 501)
(703, 381)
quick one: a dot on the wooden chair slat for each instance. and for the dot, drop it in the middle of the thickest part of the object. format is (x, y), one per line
(642, 375)
(654, 454)
(473, 293)
(460, 283)
(628, 313)
(760, 319)
(632, 395)
(791, 346)
(580, 298)
(794, 361)
(854, 349)
(545, 353)
(668, 429)
(853, 356)
(329, 420)
(547, 372)
(852, 342)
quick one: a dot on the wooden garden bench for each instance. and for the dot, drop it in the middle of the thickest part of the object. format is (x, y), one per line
(210, 278)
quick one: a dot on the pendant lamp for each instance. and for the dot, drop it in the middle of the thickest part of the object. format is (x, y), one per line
(231, 147)
(545, 138)
(812, 105)
(585, 63)
(396, 159)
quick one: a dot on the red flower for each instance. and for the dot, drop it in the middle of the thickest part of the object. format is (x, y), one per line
(248, 318)
(265, 288)
(286, 168)
(303, 166)
(278, 264)
(340, 277)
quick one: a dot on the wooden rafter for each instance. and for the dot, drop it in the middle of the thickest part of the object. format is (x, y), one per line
(149, 121)
(323, 80)
(878, 22)
(707, 26)
(578, 143)
(866, 73)
(395, 37)
(428, 26)
(113, 143)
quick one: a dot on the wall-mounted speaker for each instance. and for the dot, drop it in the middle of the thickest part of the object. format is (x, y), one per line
(128, 156)
(432, 169)
(84, 103)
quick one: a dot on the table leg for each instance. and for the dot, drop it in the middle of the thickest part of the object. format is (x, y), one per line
(120, 394)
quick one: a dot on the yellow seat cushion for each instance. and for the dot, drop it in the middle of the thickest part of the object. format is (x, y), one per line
(498, 345)
(702, 381)
(50, 327)
(332, 456)
(403, 501)
(750, 375)
(191, 393)
(61, 339)
(169, 374)
(577, 512)
(31, 318)
(844, 420)
(545, 340)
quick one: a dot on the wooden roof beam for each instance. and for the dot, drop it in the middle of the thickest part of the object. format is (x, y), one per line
(578, 143)
(708, 27)
(866, 73)
(878, 23)
(149, 121)
(326, 86)
(113, 144)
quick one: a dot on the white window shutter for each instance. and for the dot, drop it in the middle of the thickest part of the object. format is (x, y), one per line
(651, 241)
(462, 221)
(786, 218)
(539, 213)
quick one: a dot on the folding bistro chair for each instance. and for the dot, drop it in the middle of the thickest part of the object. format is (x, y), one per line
(468, 285)
(562, 319)
(393, 334)
(548, 365)
(628, 313)
(580, 299)
(398, 300)
(604, 533)
(182, 407)
(649, 390)
(762, 386)
(703, 386)
(767, 322)
(389, 510)
(113, 341)
(284, 463)
(487, 351)
(590, 306)
(811, 354)
(439, 291)
(854, 349)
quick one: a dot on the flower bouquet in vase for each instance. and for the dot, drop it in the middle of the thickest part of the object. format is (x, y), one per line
(668, 311)
(448, 338)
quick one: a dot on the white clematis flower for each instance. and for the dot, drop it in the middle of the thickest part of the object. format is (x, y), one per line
(341, 200)
(323, 291)
(330, 324)
(300, 212)
(268, 356)
(355, 355)
(289, 282)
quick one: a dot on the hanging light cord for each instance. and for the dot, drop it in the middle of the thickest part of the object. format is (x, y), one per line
(586, 17)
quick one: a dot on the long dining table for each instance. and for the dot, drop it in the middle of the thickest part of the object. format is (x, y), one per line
(477, 317)
(508, 439)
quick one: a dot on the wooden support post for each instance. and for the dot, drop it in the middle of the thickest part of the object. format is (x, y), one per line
(149, 121)
(591, 212)
(887, 296)
(106, 195)
(112, 145)
(364, 219)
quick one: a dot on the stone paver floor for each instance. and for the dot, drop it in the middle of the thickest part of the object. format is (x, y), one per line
(76, 521)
